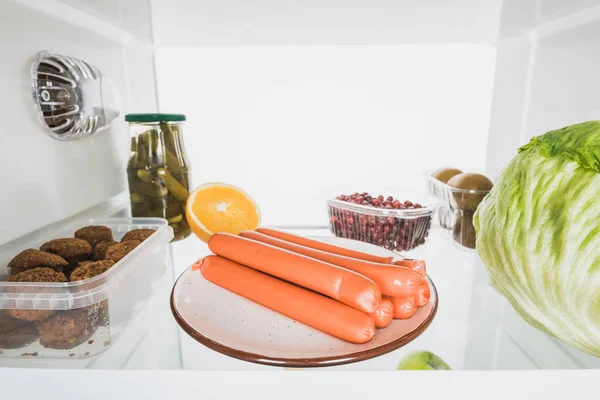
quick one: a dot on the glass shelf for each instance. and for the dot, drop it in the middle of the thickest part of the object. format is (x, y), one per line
(474, 328)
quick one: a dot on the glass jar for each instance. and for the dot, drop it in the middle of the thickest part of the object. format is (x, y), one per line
(158, 171)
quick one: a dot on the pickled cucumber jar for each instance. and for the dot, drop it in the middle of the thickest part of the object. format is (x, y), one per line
(158, 170)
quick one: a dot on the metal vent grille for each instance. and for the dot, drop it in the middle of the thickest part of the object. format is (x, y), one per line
(68, 93)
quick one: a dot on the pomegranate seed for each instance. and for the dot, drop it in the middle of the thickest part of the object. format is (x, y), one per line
(393, 233)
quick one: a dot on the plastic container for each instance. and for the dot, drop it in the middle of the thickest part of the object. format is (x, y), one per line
(86, 316)
(457, 208)
(393, 229)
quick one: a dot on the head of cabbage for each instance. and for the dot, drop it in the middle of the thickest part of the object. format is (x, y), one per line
(538, 234)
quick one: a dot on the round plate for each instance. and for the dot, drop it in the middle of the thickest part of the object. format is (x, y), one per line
(240, 328)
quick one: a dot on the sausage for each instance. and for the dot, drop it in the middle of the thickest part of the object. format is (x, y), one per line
(404, 306)
(393, 280)
(315, 244)
(312, 309)
(384, 314)
(417, 265)
(339, 283)
(423, 295)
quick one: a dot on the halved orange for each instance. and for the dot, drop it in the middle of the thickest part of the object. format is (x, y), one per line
(219, 207)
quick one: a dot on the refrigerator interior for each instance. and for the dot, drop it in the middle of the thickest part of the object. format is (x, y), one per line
(287, 99)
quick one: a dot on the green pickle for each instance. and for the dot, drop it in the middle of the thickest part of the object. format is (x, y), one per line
(136, 198)
(158, 175)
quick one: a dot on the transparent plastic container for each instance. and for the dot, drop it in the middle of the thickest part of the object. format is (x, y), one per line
(81, 319)
(457, 208)
(393, 229)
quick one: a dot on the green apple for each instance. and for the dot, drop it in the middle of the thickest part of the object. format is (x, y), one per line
(422, 360)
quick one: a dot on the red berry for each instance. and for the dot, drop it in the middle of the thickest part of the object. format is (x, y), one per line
(390, 198)
(380, 198)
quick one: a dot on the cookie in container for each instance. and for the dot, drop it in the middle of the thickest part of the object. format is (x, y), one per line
(82, 317)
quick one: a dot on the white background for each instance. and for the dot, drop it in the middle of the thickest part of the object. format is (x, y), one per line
(286, 123)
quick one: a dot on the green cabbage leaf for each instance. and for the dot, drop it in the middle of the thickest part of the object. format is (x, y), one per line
(538, 234)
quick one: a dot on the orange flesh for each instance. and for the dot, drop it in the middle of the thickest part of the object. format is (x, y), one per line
(220, 208)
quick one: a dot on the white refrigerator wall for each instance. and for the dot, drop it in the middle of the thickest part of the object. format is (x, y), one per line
(287, 123)
(546, 78)
(287, 99)
(46, 180)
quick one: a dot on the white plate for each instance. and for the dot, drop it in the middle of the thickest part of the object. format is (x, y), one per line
(235, 326)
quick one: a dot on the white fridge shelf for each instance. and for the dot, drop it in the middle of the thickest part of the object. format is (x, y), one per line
(474, 329)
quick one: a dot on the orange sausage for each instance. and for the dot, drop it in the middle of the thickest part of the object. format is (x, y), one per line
(423, 295)
(315, 244)
(417, 265)
(309, 308)
(384, 314)
(339, 283)
(392, 280)
(404, 307)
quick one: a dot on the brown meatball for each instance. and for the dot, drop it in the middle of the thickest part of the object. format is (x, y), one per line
(119, 250)
(138, 234)
(66, 329)
(16, 333)
(100, 250)
(36, 275)
(31, 258)
(94, 234)
(90, 269)
(82, 263)
(71, 249)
